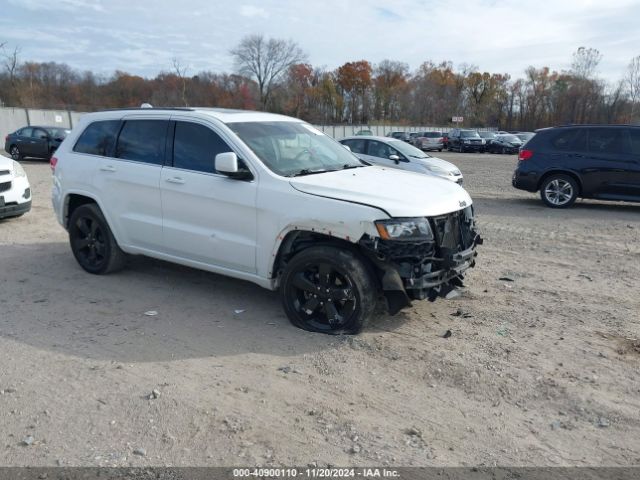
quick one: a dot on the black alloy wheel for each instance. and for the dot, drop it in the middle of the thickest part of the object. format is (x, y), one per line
(92, 242)
(328, 290)
(15, 153)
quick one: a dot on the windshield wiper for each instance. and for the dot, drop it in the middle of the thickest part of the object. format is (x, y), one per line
(308, 171)
(346, 166)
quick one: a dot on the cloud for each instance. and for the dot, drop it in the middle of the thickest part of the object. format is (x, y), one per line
(59, 5)
(252, 11)
(501, 36)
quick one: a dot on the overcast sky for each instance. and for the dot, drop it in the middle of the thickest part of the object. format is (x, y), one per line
(499, 36)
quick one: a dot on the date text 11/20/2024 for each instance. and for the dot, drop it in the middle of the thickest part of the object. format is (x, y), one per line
(315, 473)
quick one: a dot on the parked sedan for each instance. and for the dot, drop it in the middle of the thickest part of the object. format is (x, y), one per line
(505, 143)
(15, 192)
(393, 153)
(34, 141)
(525, 136)
(429, 141)
(399, 135)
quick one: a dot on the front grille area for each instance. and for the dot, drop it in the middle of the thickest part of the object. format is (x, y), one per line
(454, 231)
(5, 186)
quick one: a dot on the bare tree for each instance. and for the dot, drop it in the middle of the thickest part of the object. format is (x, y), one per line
(585, 61)
(632, 81)
(11, 64)
(181, 72)
(266, 61)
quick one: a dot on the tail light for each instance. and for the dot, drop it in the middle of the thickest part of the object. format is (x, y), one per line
(6, 139)
(53, 162)
(525, 155)
(441, 140)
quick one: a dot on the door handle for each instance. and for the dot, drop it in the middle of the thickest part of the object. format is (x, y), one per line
(108, 168)
(177, 180)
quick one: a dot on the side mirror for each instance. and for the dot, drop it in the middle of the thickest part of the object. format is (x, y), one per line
(395, 158)
(227, 164)
(347, 147)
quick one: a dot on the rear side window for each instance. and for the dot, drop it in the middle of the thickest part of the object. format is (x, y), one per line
(25, 132)
(574, 139)
(143, 141)
(98, 138)
(356, 146)
(195, 147)
(634, 133)
(608, 140)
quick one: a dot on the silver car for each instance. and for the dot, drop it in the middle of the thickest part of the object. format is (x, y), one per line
(429, 141)
(393, 153)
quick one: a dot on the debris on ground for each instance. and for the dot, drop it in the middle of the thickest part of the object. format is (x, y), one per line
(239, 311)
(151, 313)
(506, 279)
(585, 276)
(447, 334)
(155, 393)
(27, 441)
(140, 452)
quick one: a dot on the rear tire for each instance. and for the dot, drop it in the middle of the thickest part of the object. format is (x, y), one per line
(559, 191)
(92, 242)
(328, 290)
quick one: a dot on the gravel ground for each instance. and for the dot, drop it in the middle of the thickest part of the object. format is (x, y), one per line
(541, 367)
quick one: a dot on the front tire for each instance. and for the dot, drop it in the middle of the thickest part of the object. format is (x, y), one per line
(559, 191)
(92, 242)
(328, 290)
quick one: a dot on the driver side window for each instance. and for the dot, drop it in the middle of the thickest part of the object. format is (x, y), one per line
(380, 150)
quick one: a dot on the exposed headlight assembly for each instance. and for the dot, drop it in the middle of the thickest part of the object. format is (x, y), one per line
(405, 229)
(18, 170)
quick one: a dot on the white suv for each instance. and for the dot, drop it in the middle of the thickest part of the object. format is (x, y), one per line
(264, 198)
(15, 192)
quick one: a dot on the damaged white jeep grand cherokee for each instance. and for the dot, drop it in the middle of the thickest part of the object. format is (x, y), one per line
(264, 198)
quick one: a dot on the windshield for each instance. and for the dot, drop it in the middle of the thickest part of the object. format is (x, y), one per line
(294, 148)
(510, 138)
(469, 134)
(57, 132)
(487, 134)
(408, 150)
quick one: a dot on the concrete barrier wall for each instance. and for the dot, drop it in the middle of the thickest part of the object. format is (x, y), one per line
(12, 119)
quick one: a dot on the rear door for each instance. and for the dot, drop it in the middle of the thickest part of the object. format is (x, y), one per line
(610, 167)
(634, 176)
(129, 182)
(207, 217)
(358, 147)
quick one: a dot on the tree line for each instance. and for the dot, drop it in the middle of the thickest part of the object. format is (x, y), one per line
(274, 75)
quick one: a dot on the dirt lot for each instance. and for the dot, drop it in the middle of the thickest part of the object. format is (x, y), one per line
(540, 369)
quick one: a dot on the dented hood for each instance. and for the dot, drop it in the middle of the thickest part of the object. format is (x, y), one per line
(397, 192)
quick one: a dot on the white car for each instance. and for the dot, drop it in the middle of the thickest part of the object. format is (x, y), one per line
(15, 192)
(264, 198)
(389, 152)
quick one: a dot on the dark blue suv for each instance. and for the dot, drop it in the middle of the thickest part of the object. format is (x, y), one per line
(588, 161)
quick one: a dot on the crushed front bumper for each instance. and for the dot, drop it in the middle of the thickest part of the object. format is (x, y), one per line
(418, 270)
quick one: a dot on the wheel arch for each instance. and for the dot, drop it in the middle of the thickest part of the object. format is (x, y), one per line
(295, 241)
(559, 171)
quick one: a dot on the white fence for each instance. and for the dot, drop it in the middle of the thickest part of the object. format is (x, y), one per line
(12, 119)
